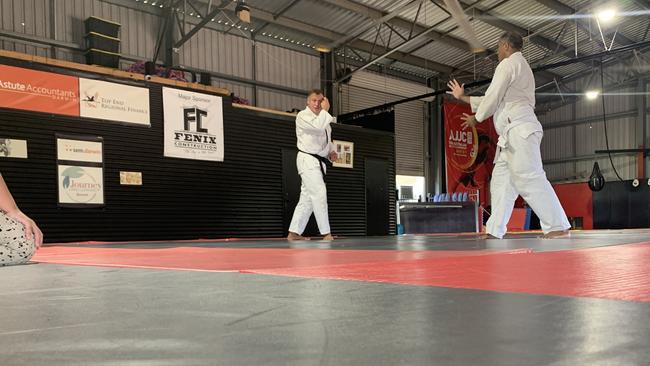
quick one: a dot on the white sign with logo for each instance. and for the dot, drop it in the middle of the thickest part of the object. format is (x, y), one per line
(114, 102)
(79, 150)
(193, 125)
(10, 148)
(81, 185)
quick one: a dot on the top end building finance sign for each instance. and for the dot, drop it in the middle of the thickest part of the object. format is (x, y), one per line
(114, 102)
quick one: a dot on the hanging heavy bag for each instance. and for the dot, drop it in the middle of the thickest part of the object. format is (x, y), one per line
(596, 180)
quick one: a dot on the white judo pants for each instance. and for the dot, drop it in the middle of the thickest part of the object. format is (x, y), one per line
(519, 171)
(313, 196)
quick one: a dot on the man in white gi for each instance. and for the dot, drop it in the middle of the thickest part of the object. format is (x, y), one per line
(518, 166)
(315, 151)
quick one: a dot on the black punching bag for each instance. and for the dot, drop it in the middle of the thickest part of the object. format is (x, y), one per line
(596, 180)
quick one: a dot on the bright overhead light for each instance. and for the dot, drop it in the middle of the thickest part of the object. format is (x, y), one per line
(243, 12)
(606, 15)
(323, 48)
(592, 94)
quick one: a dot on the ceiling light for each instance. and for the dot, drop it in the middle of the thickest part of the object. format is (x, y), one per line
(243, 12)
(592, 94)
(324, 49)
(606, 15)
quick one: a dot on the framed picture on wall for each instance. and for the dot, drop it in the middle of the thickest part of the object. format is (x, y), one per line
(12, 148)
(345, 151)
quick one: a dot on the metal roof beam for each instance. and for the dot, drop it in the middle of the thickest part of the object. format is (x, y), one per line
(361, 45)
(375, 14)
(201, 24)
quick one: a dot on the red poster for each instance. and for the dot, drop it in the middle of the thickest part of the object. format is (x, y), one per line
(469, 153)
(38, 91)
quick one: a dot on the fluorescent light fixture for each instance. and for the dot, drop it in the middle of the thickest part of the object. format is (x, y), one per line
(592, 94)
(243, 12)
(606, 15)
(324, 49)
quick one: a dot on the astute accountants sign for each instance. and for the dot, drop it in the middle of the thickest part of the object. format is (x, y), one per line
(38, 91)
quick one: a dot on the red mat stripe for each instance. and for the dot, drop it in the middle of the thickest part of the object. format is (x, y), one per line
(619, 272)
(231, 259)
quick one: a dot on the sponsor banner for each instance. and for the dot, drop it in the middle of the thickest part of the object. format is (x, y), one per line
(345, 151)
(469, 153)
(81, 185)
(131, 178)
(10, 148)
(193, 125)
(38, 91)
(79, 150)
(114, 102)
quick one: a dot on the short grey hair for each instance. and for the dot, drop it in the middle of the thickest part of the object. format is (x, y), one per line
(513, 39)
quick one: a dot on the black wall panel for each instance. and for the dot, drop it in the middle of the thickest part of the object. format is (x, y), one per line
(179, 198)
(619, 205)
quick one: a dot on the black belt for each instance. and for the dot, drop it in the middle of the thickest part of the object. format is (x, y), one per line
(321, 161)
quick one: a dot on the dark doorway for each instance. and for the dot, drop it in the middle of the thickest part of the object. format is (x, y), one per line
(377, 202)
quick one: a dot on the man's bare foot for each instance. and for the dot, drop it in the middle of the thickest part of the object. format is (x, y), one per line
(328, 237)
(486, 236)
(556, 234)
(294, 236)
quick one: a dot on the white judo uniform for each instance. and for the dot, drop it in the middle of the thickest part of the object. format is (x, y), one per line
(313, 133)
(518, 168)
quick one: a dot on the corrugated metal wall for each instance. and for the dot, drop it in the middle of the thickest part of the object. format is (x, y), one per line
(233, 55)
(280, 66)
(288, 68)
(30, 17)
(138, 29)
(409, 117)
(215, 51)
(584, 138)
(211, 50)
(180, 198)
(273, 99)
(241, 90)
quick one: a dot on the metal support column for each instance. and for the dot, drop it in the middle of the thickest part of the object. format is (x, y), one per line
(642, 106)
(53, 27)
(254, 56)
(434, 169)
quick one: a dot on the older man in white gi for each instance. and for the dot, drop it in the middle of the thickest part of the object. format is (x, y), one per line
(518, 166)
(315, 151)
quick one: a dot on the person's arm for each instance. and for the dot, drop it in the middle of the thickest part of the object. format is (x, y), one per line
(332, 155)
(8, 205)
(496, 91)
(474, 102)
